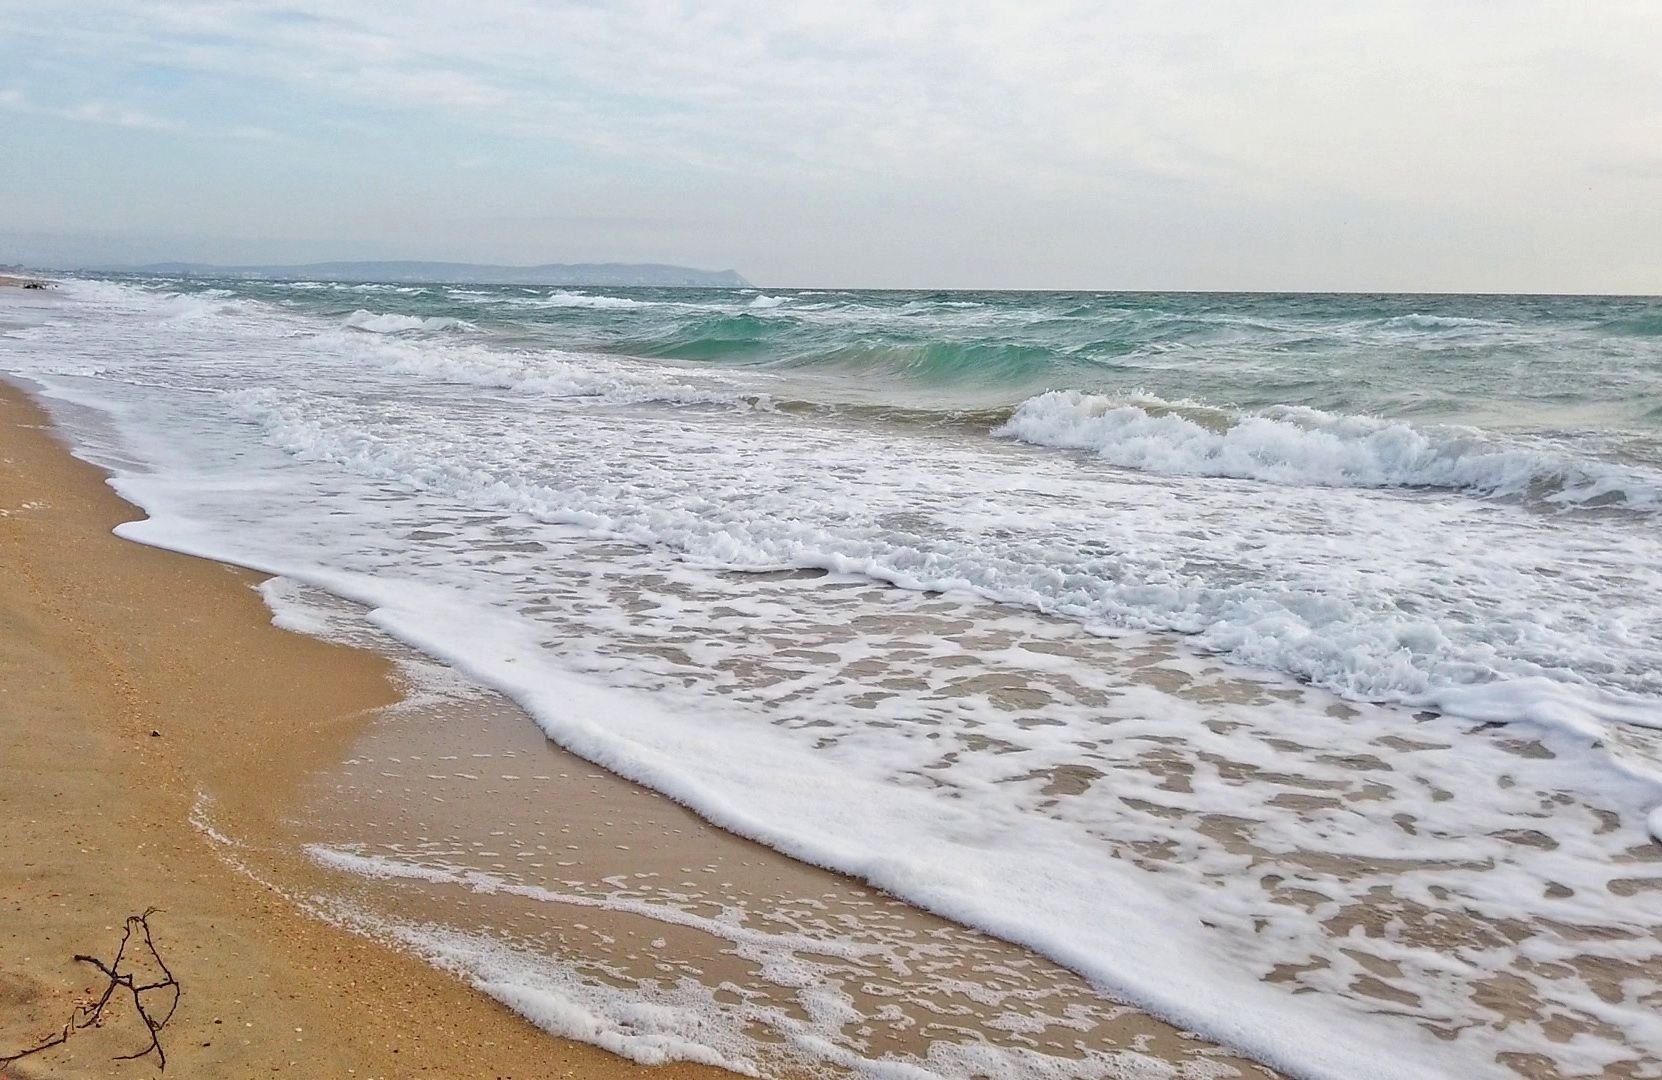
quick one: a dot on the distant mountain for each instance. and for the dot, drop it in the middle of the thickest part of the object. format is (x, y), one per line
(614, 274)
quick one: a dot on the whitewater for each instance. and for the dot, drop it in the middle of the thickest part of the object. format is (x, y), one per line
(1289, 667)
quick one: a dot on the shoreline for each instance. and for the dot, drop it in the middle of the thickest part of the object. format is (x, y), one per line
(134, 680)
(1241, 852)
(202, 637)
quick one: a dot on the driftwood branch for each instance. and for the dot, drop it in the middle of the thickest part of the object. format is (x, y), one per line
(91, 1014)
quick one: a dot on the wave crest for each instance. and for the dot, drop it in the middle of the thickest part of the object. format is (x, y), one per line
(565, 298)
(1307, 447)
(548, 373)
(389, 323)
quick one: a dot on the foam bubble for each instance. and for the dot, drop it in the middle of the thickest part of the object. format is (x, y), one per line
(393, 323)
(551, 373)
(1305, 446)
(565, 298)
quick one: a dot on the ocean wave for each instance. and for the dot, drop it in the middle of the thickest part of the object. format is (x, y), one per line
(1307, 447)
(559, 298)
(1648, 324)
(613, 380)
(391, 323)
(796, 341)
(548, 373)
(563, 298)
(1417, 321)
(738, 336)
(945, 361)
(376, 286)
(191, 307)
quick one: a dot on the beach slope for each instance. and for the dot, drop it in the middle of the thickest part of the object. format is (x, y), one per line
(132, 680)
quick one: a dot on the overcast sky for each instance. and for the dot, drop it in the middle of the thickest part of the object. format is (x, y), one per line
(1469, 146)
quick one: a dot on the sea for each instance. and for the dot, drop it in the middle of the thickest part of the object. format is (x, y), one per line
(1286, 666)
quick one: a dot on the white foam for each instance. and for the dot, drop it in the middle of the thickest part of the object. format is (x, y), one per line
(681, 1019)
(565, 298)
(1301, 446)
(551, 373)
(1287, 612)
(1416, 321)
(394, 323)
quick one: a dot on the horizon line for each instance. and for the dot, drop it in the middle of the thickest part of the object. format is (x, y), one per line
(137, 268)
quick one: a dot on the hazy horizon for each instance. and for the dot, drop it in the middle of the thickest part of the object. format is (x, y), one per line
(1468, 148)
(753, 285)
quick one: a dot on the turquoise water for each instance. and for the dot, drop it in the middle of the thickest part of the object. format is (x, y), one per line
(1560, 366)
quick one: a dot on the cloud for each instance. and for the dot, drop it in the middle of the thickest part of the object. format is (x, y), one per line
(1488, 112)
(1333, 96)
(103, 112)
(113, 115)
(93, 112)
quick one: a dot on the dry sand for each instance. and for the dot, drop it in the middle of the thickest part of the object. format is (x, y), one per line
(102, 644)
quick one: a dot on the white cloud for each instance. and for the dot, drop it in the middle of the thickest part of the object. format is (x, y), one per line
(1495, 113)
(93, 112)
(1276, 93)
(103, 112)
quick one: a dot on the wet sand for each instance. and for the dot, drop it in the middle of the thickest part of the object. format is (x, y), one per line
(133, 681)
(623, 892)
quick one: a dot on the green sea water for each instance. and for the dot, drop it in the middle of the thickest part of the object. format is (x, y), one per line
(1586, 370)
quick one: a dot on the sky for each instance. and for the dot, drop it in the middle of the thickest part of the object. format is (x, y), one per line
(1459, 145)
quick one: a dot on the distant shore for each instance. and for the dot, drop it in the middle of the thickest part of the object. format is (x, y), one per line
(135, 679)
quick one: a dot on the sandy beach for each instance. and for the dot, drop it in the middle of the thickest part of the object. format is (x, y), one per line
(133, 680)
(954, 835)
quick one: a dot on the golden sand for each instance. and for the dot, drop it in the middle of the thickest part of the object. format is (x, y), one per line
(131, 679)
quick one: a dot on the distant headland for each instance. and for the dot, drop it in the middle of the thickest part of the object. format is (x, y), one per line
(611, 274)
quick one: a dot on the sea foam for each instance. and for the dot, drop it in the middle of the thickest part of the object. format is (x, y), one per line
(566, 298)
(394, 323)
(1303, 446)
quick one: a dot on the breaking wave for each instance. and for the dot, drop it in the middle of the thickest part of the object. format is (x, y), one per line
(386, 323)
(1307, 447)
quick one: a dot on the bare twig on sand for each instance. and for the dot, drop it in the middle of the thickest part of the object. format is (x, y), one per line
(91, 1014)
